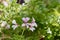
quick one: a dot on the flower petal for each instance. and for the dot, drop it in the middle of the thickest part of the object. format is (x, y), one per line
(14, 26)
(14, 22)
(25, 19)
(34, 24)
(23, 24)
(32, 29)
(33, 20)
(5, 3)
(4, 23)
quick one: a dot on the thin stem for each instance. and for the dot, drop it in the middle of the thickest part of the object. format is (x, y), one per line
(23, 31)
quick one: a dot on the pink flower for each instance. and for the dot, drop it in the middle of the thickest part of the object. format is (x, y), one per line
(29, 25)
(32, 25)
(33, 22)
(25, 19)
(5, 3)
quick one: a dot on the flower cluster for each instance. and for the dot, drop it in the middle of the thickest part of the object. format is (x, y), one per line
(7, 26)
(25, 20)
(29, 25)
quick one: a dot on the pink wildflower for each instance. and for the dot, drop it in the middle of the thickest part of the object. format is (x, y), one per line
(5, 3)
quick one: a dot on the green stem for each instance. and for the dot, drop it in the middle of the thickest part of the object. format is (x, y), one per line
(23, 31)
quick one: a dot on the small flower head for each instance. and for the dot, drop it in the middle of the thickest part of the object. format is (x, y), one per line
(3, 24)
(29, 25)
(25, 19)
(14, 26)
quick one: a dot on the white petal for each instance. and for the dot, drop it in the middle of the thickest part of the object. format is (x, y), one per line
(3, 23)
(32, 28)
(34, 24)
(14, 26)
(23, 4)
(33, 20)
(27, 26)
(14, 22)
(23, 25)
